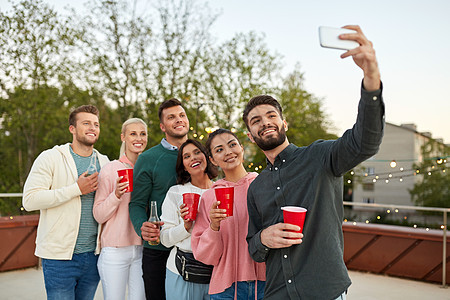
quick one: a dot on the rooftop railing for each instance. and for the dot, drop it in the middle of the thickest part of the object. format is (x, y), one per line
(442, 210)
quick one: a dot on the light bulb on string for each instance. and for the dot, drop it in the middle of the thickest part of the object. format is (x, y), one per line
(393, 164)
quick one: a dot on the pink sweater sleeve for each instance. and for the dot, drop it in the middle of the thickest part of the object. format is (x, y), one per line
(207, 244)
(106, 202)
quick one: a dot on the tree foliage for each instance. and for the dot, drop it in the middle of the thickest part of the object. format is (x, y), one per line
(433, 187)
(126, 57)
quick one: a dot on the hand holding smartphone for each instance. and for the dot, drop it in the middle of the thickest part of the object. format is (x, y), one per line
(329, 38)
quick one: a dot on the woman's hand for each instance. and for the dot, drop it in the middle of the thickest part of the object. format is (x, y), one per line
(216, 215)
(184, 211)
(121, 187)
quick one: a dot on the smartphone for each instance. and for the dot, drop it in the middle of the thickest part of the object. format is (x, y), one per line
(329, 38)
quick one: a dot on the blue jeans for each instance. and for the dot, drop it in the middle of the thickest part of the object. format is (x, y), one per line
(71, 279)
(245, 291)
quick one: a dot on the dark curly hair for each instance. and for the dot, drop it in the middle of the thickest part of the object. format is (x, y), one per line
(182, 175)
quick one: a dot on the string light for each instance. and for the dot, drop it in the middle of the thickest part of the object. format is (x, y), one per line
(402, 173)
(393, 164)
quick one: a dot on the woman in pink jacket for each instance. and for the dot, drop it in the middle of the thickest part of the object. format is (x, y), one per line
(120, 258)
(221, 241)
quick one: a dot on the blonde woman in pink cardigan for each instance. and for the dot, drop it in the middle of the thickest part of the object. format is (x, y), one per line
(119, 264)
(221, 241)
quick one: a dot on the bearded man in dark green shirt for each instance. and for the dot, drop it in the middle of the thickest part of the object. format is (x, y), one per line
(308, 265)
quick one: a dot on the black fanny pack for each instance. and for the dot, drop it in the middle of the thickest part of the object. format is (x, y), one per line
(191, 269)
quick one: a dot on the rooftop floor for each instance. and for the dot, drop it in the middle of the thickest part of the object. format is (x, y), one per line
(29, 284)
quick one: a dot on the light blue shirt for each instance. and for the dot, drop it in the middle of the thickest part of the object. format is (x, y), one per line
(167, 145)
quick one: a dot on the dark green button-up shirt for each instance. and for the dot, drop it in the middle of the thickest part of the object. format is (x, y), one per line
(311, 177)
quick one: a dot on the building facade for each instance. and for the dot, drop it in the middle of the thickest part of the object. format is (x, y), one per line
(387, 177)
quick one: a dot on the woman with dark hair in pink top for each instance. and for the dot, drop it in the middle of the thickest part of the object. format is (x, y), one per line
(219, 240)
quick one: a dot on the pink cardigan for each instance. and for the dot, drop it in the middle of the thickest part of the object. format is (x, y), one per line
(220, 248)
(117, 230)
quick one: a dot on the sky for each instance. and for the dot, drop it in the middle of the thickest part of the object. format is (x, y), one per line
(411, 39)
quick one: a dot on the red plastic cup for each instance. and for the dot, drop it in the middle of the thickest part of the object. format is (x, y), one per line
(294, 215)
(226, 198)
(191, 200)
(127, 177)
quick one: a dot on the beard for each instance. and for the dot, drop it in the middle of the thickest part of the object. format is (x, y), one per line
(84, 141)
(271, 142)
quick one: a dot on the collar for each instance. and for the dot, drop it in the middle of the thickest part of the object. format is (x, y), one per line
(124, 159)
(167, 145)
(282, 157)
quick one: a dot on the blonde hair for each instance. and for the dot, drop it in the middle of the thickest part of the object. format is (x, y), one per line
(124, 129)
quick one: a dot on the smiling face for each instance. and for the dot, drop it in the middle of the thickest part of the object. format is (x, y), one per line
(194, 161)
(135, 137)
(226, 152)
(174, 122)
(86, 129)
(266, 127)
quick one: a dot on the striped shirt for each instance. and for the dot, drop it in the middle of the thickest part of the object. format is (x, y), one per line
(87, 234)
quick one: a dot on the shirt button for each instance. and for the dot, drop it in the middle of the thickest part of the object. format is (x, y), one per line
(284, 160)
(278, 187)
(289, 281)
(374, 98)
(276, 169)
(285, 256)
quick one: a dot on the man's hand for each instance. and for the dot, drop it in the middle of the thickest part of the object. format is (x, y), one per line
(364, 57)
(277, 236)
(150, 231)
(87, 184)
